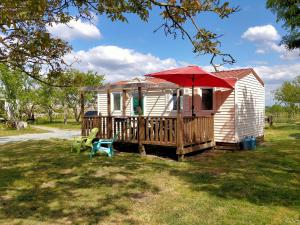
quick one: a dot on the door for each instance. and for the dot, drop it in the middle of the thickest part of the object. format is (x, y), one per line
(135, 104)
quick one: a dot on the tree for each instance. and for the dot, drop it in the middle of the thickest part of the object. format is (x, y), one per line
(19, 91)
(10, 90)
(70, 96)
(288, 11)
(289, 94)
(26, 44)
(48, 100)
(28, 100)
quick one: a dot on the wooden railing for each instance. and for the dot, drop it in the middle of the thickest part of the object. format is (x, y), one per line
(197, 130)
(157, 130)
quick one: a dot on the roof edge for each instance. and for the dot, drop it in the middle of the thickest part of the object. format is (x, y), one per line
(251, 71)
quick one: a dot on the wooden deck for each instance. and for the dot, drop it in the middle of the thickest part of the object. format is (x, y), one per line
(187, 134)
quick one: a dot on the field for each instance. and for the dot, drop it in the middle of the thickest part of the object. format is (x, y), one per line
(43, 183)
(11, 131)
(59, 124)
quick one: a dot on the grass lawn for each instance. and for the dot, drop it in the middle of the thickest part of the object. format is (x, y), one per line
(59, 124)
(43, 183)
(11, 132)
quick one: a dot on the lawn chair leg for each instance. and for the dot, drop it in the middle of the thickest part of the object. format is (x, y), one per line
(92, 153)
(111, 152)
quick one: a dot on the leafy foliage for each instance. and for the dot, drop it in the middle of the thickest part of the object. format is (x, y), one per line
(26, 44)
(289, 93)
(69, 96)
(288, 11)
(27, 96)
(19, 91)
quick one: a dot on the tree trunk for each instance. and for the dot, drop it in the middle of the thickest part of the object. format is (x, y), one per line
(76, 114)
(65, 115)
(50, 115)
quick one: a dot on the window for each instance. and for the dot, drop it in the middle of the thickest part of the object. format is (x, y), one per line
(207, 99)
(117, 101)
(174, 99)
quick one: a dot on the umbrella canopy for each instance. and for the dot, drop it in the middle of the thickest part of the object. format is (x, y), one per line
(192, 76)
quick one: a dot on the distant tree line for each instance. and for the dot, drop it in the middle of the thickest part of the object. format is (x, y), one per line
(288, 95)
(27, 97)
(287, 98)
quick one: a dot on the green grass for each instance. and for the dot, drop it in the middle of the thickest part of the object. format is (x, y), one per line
(43, 183)
(59, 124)
(11, 132)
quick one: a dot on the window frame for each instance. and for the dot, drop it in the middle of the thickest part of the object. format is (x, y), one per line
(113, 101)
(212, 99)
(181, 94)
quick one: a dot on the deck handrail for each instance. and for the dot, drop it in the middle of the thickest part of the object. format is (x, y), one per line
(158, 130)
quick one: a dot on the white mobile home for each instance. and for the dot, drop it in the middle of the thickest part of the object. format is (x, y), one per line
(237, 112)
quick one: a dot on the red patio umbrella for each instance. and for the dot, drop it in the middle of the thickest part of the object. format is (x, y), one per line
(192, 76)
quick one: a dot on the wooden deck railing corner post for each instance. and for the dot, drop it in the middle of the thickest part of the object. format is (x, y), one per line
(179, 137)
(141, 132)
(141, 126)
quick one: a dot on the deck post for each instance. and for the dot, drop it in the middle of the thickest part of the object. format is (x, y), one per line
(109, 118)
(140, 124)
(179, 130)
(82, 112)
(124, 99)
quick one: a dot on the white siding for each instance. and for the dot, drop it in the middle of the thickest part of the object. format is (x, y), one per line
(157, 103)
(250, 109)
(102, 104)
(224, 120)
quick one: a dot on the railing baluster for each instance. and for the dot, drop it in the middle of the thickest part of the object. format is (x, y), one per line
(161, 130)
(147, 128)
(166, 130)
(151, 130)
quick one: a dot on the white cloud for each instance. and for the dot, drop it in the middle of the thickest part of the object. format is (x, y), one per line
(119, 63)
(265, 38)
(285, 54)
(278, 73)
(75, 29)
(261, 33)
(273, 76)
(260, 51)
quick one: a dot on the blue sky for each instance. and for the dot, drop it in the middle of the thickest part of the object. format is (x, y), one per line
(123, 50)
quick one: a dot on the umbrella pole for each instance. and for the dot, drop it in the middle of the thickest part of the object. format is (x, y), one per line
(193, 106)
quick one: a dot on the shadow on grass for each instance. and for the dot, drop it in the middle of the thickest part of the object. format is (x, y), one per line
(154, 150)
(285, 126)
(295, 135)
(43, 180)
(267, 176)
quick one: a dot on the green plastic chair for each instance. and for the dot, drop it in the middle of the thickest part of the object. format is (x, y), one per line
(83, 142)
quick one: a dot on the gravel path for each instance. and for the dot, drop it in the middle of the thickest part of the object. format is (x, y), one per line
(53, 133)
